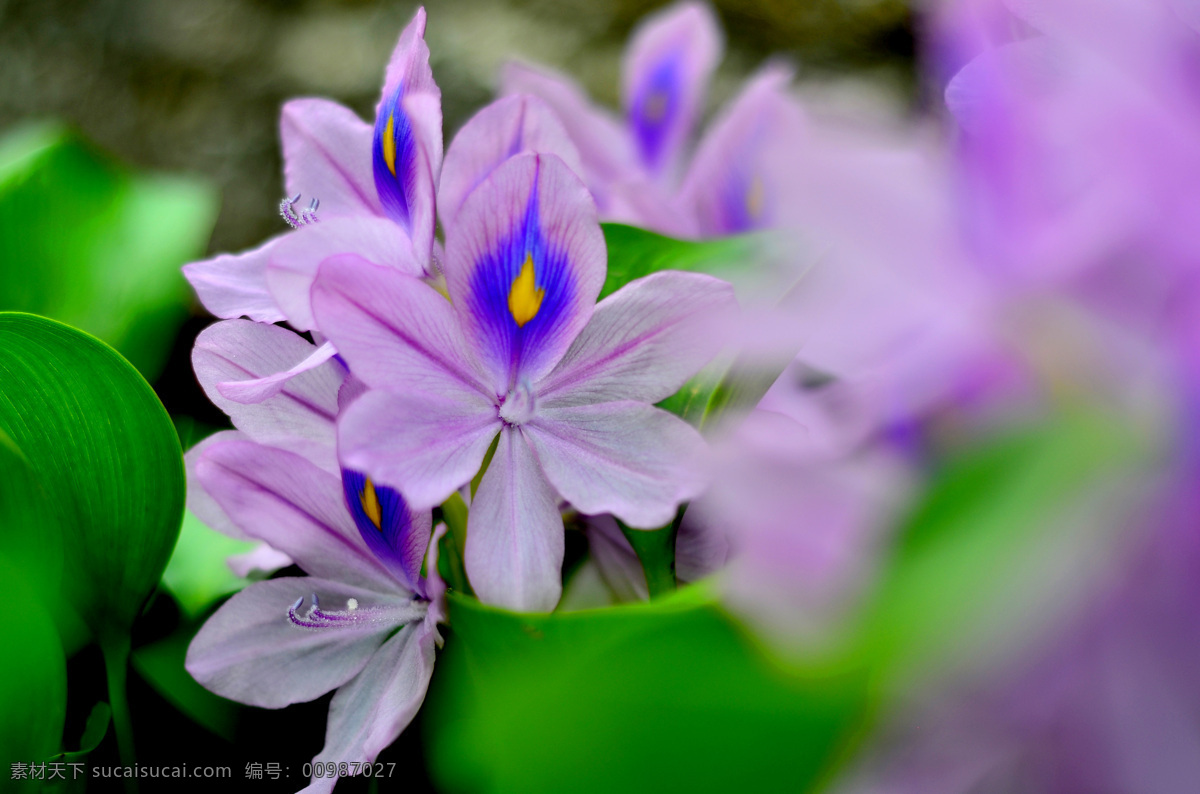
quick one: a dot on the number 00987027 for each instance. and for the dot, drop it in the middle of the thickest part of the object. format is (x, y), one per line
(347, 769)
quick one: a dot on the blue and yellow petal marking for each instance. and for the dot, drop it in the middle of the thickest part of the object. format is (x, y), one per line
(519, 291)
(524, 296)
(394, 154)
(655, 109)
(384, 522)
(368, 499)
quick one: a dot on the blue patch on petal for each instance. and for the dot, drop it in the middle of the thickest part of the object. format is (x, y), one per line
(492, 284)
(743, 203)
(654, 109)
(394, 157)
(385, 523)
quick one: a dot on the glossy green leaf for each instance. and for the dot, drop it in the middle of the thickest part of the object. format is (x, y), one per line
(88, 243)
(634, 253)
(197, 574)
(653, 697)
(99, 445)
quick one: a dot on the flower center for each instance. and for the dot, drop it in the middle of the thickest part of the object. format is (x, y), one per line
(518, 407)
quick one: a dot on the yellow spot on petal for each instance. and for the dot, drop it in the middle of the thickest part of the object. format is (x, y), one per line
(525, 298)
(370, 504)
(389, 144)
(655, 107)
(755, 198)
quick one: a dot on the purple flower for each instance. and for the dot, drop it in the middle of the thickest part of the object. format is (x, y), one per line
(372, 186)
(363, 622)
(633, 166)
(522, 358)
(299, 417)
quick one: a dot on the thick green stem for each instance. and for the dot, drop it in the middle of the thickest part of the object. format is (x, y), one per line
(116, 663)
(655, 549)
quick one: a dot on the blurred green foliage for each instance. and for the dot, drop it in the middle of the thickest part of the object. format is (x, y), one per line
(87, 242)
(197, 574)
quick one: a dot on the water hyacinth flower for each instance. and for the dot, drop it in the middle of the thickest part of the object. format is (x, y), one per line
(373, 183)
(298, 418)
(521, 357)
(637, 167)
(363, 622)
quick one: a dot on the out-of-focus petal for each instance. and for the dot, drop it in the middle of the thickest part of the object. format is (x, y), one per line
(514, 546)
(262, 560)
(235, 285)
(367, 714)
(730, 187)
(670, 59)
(424, 443)
(395, 331)
(327, 156)
(293, 264)
(503, 129)
(604, 145)
(629, 459)
(643, 341)
(283, 499)
(250, 652)
(300, 416)
(525, 261)
(641, 201)
(802, 528)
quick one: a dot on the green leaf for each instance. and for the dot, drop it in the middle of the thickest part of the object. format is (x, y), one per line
(634, 253)
(33, 673)
(652, 697)
(86, 242)
(655, 549)
(1003, 541)
(450, 561)
(94, 732)
(197, 574)
(102, 450)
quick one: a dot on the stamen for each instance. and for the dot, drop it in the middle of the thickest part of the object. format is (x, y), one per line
(287, 209)
(352, 617)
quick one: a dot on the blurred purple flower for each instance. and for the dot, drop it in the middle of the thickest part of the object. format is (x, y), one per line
(634, 166)
(1079, 148)
(523, 358)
